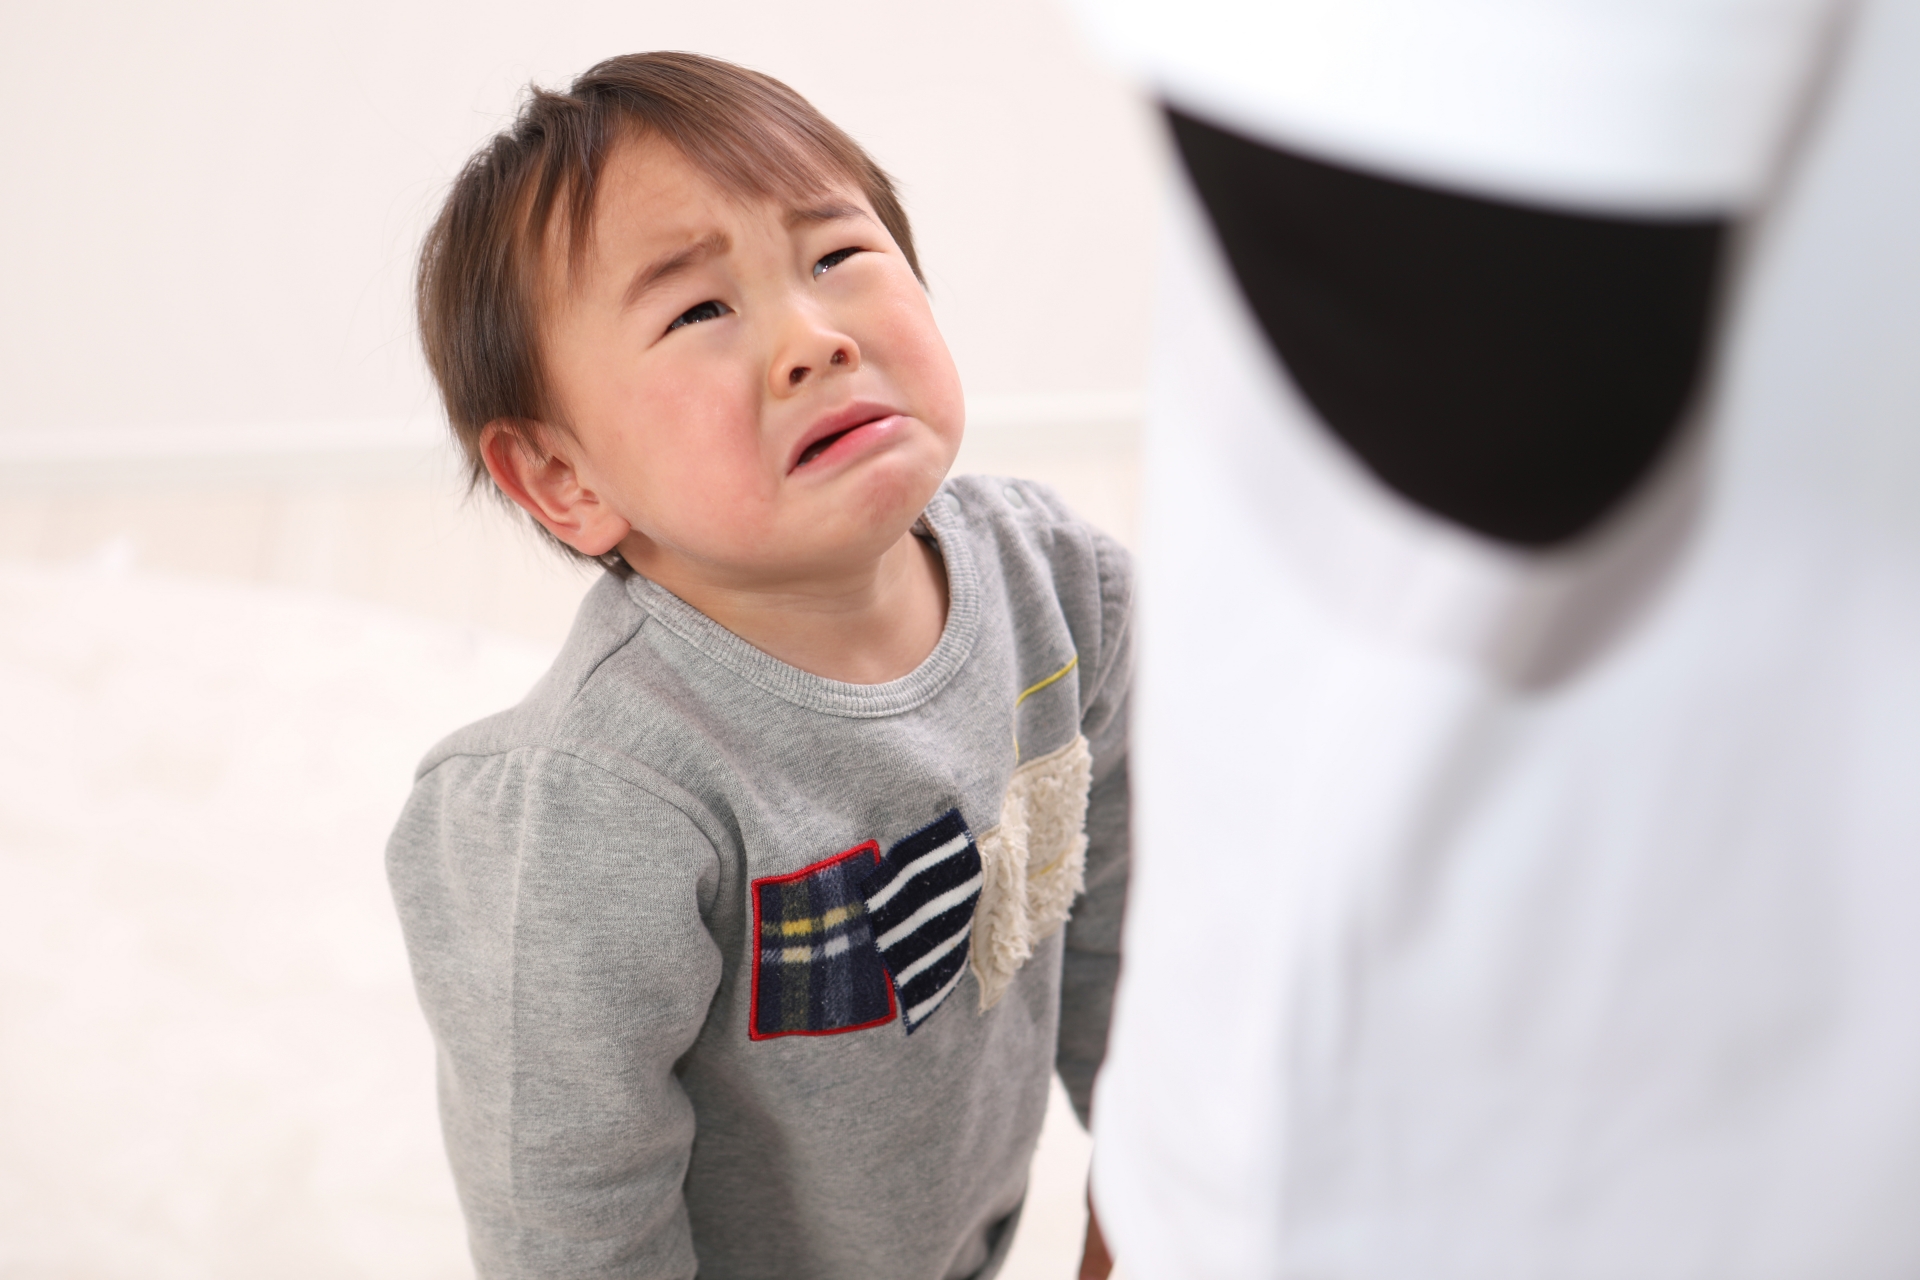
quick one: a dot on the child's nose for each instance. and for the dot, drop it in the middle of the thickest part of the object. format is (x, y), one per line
(798, 373)
(810, 343)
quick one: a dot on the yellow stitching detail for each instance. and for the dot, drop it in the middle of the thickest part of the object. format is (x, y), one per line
(1058, 859)
(1028, 693)
(807, 924)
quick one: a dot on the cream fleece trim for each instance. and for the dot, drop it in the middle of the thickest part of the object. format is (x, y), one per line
(1033, 864)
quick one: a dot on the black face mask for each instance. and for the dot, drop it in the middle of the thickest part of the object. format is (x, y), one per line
(1514, 370)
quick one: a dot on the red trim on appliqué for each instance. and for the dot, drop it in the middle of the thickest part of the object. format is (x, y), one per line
(753, 995)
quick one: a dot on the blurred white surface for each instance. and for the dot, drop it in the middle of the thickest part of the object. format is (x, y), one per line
(1677, 107)
(384, 519)
(212, 1064)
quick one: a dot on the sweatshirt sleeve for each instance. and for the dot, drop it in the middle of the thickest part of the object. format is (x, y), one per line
(553, 914)
(1091, 964)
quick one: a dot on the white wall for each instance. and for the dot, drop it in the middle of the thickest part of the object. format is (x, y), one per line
(207, 359)
(213, 207)
(215, 427)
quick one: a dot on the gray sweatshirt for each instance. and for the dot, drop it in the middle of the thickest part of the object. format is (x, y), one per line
(708, 943)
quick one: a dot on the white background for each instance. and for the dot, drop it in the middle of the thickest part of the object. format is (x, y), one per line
(213, 207)
(240, 592)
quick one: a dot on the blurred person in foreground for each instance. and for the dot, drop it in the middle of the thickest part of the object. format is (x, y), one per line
(1528, 757)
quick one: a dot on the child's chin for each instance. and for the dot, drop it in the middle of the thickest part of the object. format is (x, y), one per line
(898, 486)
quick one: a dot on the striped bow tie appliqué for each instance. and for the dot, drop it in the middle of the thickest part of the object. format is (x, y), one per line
(849, 942)
(920, 902)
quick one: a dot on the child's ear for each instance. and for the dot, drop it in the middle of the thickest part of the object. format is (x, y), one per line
(544, 481)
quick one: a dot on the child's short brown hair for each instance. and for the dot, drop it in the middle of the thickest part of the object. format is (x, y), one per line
(479, 268)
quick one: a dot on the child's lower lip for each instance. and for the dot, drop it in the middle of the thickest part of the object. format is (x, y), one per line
(851, 442)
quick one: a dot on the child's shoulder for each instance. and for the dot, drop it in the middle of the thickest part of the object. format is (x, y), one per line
(1016, 504)
(1031, 536)
(1026, 517)
(629, 673)
(606, 623)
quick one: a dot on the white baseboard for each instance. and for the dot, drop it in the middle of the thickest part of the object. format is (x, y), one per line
(387, 451)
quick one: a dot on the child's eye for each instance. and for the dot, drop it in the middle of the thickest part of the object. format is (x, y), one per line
(832, 260)
(708, 310)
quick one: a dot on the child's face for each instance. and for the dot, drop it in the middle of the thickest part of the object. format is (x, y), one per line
(758, 390)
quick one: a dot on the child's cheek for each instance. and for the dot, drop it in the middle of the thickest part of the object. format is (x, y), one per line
(696, 405)
(913, 344)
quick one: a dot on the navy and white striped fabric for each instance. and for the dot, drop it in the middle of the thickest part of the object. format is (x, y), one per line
(920, 902)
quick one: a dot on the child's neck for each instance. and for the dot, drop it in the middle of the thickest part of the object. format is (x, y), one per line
(865, 626)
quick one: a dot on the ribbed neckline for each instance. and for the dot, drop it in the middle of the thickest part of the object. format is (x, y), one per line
(835, 697)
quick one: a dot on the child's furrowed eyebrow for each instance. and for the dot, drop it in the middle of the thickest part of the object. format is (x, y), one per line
(831, 212)
(668, 265)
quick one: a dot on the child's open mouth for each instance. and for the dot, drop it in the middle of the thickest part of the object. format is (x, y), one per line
(854, 420)
(821, 445)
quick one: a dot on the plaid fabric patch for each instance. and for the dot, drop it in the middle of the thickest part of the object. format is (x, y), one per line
(816, 971)
(920, 900)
